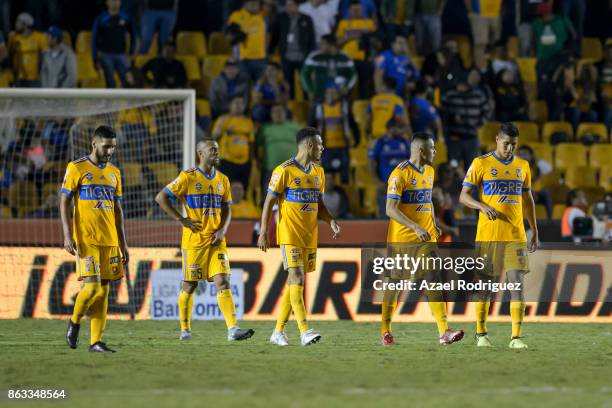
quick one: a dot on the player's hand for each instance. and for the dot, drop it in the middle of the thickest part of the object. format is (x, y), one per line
(262, 241)
(489, 212)
(217, 237)
(438, 230)
(193, 225)
(534, 243)
(422, 233)
(125, 254)
(335, 228)
(70, 245)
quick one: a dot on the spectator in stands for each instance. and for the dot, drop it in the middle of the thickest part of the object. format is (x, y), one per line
(160, 16)
(270, 89)
(48, 209)
(59, 67)
(395, 63)
(25, 49)
(510, 98)
(335, 198)
(3, 52)
(445, 219)
(242, 208)
(499, 61)
(486, 22)
(230, 83)
(584, 95)
(327, 65)
(235, 133)
(134, 78)
(368, 9)
(577, 206)
(166, 71)
(383, 107)
(552, 34)
(528, 13)
(109, 35)
(538, 168)
(605, 85)
(323, 14)
(55, 138)
(575, 10)
(464, 110)
(275, 142)
(427, 18)
(385, 154)
(293, 33)
(350, 33)
(247, 29)
(423, 115)
(444, 68)
(449, 178)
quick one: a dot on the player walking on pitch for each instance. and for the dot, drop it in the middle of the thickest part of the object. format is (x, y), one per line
(503, 182)
(298, 184)
(96, 235)
(206, 195)
(412, 222)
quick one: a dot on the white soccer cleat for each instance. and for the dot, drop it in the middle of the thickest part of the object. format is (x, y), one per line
(310, 337)
(279, 338)
(483, 341)
(185, 335)
(517, 343)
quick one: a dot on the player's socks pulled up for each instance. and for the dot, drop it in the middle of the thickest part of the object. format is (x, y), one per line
(389, 304)
(517, 314)
(482, 312)
(285, 310)
(228, 309)
(97, 314)
(438, 310)
(296, 293)
(185, 303)
(84, 300)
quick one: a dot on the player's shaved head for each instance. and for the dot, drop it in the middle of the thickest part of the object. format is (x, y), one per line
(422, 147)
(202, 144)
(208, 152)
(104, 132)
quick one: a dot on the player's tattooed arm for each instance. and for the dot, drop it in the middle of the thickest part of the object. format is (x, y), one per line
(262, 240)
(65, 214)
(466, 199)
(393, 212)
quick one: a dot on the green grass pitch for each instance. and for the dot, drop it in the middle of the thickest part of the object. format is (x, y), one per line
(567, 365)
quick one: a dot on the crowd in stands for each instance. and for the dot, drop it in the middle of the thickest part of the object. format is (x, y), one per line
(367, 73)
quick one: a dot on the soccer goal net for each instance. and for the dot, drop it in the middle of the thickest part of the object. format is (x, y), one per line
(41, 131)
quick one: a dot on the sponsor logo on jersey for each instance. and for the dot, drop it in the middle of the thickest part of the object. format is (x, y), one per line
(317, 181)
(413, 182)
(89, 176)
(198, 186)
(273, 181)
(219, 187)
(507, 200)
(393, 184)
(519, 173)
(493, 172)
(297, 181)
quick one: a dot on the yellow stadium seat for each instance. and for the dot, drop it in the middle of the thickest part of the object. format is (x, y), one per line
(541, 212)
(203, 107)
(141, 60)
(48, 189)
(542, 151)
(5, 212)
(299, 110)
(6, 78)
(83, 42)
(132, 174)
(592, 128)
(23, 197)
(164, 172)
(487, 133)
(359, 109)
(152, 51)
(605, 177)
(213, 65)
(67, 39)
(548, 181)
(593, 193)
(551, 127)
(441, 154)
(570, 155)
(218, 44)
(464, 46)
(527, 69)
(528, 132)
(580, 176)
(191, 43)
(512, 45)
(417, 62)
(370, 201)
(192, 67)
(363, 177)
(85, 68)
(359, 156)
(538, 111)
(592, 49)
(600, 155)
(55, 166)
(558, 210)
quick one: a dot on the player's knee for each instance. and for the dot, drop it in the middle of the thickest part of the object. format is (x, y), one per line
(221, 282)
(189, 287)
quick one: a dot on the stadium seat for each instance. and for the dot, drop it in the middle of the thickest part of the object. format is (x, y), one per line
(538, 111)
(592, 49)
(542, 151)
(550, 181)
(593, 193)
(359, 156)
(132, 174)
(441, 154)
(192, 67)
(212, 67)
(152, 51)
(5, 212)
(528, 132)
(6, 78)
(299, 111)
(47, 190)
(592, 128)
(487, 133)
(23, 197)
(527, 69)
(417, 62)
(218, 44)
(83, 43)
(164, 172)
(67, 38)
(203, 107)
(359, 110)
(512, 46)
(570, 155)
(605, 177)
(141, 60)
(86, 70)
(370, 201)
(551, 127)
(191, 43)
(558, 210)
(541, 212)
(464, 46)
(580, 176)
(600, 155)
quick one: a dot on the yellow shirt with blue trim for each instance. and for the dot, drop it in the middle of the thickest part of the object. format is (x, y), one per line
(203, 197)
(412, 187)
(382, 108)
(298, 190)
(95, 189)
(333, 122)
(354, 26)
(500, 185)
(237, 133)
(254, 26)
(28, 53)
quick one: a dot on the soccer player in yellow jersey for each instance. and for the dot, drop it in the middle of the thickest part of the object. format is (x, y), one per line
(412, 220)
(503, 182)
(94, 233)
(206, 196)
(298, 185)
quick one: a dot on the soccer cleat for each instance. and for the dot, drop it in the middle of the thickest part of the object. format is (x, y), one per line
(451, 336)
(387, 339)
(100, 347)
(185, 335)
(237, 334)
(310, 337)
(517, 343)
(72, 334)
(482, 340)
(279, 338)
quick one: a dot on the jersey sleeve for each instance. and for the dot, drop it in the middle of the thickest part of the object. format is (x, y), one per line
(278, 181)
(527, 179)
(118, 187)
(227, 195)
(473, 177)
(322, 182)
(395, 186)
(177, 188)
(71, 180)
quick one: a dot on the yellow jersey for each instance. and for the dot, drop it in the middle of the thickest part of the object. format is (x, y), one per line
(500, 185)
(245, 209)
(350, 27)
(237, 133)
(489, 8)
(95, 189)
(333, 124)
(412, 187)
(254, 26)
(382, 108)
(203, 197)
(298, 190)
(27, 53)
